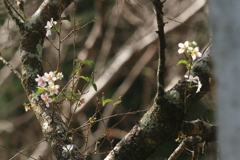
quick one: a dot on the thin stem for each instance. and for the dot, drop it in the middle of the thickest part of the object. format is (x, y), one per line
(76, 29)
(108, 117)
(11, 67)
(59, 45)
(9, 7)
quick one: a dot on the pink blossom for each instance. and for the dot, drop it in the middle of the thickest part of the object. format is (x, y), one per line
(46, 99)
(41, 82)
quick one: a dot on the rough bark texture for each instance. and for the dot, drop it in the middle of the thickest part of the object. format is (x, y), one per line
(164, 119)
(32, 38)
(161, 123)
(161, 36)
(205, 130)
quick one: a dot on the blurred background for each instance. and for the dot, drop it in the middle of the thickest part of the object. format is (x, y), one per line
(123, 45)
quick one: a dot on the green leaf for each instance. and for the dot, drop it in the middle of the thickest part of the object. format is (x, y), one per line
(102, 136)
(192, 86)
(106, 101)
(116, 103)
(54, 99)
(94, 86)
(76, 71)
(40, 90)
(58, 30)
(183, 62)
(86, 78)
(194, 44)
(90, 119)
(87, 62)
(89, 81)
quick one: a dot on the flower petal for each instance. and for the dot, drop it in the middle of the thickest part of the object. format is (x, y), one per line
(180, 51)
(194, 57)
(181, 45)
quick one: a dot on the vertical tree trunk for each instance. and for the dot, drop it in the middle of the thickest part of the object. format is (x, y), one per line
(226, 58)
(32, 38)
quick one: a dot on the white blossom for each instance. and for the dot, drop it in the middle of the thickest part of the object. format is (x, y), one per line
(68, 147)
(199, 86)
(53, 89)
(192, 79)
(49, 25)
(195, 80)
(59, 76)
(50, 77)
(196, 53)
(184, 47)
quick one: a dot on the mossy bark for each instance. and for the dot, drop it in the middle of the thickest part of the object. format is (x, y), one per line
(32, 38)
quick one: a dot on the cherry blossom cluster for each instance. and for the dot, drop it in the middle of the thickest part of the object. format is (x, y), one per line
(47, 83)
(190, 48)
(49, 25)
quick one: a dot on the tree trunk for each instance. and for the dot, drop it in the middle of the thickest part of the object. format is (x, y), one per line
(226, 58)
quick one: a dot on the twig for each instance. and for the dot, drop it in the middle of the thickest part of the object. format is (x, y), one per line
(74, 30)
(59, 46)
(178, 151)
(128, 49)
(126, 84)
(189, 141)
(20, 152)
(196, 151)
(161, 36)
(20, 4)
(198, 127)
(190, 27)
(52, 43)
(9, 7)
(86, 139)
(118, 114)
(10, 67)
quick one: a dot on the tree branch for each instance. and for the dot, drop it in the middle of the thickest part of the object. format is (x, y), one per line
(189, 141)
(156, 126)
(196, 132)
(20, 4)
(19, 21)
(11, 67)
(32, 37)
(207, 131)
(162, 45)
(164, 120)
